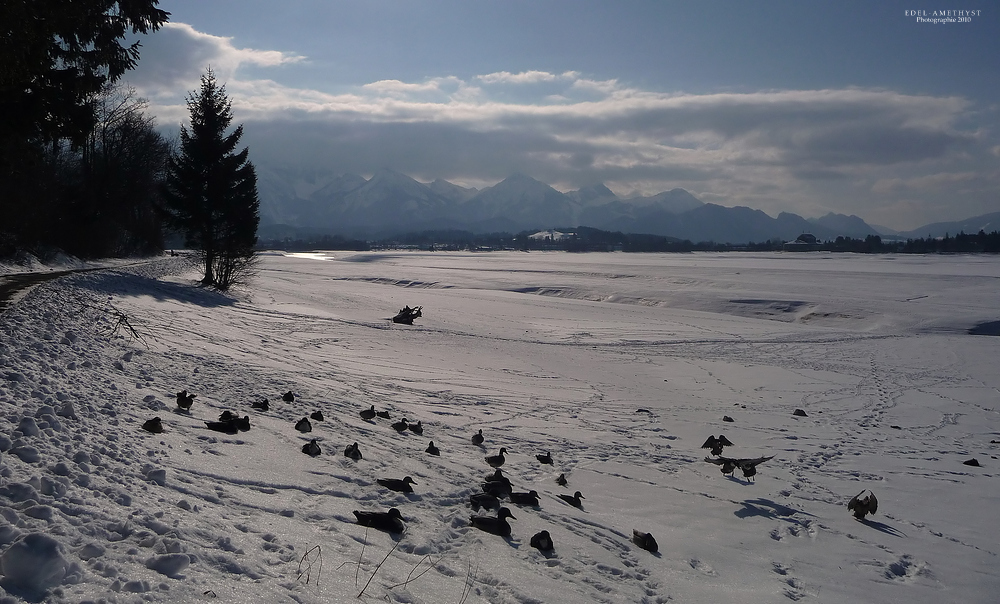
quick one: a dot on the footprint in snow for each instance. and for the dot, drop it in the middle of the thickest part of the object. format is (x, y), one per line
(700, 566)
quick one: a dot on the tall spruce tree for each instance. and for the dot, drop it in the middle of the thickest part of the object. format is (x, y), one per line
(211, 190)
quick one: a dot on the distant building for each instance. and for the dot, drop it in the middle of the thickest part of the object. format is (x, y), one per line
(551, 235)
(806, 242)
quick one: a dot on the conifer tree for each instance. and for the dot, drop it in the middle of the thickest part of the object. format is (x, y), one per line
(211, 190)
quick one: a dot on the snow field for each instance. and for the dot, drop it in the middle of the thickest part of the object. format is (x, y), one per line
(544, 352)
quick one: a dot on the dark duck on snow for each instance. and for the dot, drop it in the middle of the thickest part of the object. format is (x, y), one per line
(390, 521)
(496, 526)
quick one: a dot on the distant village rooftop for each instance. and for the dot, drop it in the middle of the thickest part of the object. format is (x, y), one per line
(552, 235)
(806, 242)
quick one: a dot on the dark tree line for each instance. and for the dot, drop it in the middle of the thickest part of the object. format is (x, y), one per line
(67, 134)
(322, 242)
(583, 239)
(981, 242)
(82, 167)
(113, 183)
(586, 239)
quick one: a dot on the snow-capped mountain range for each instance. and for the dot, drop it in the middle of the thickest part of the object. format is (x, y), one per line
(391, 203)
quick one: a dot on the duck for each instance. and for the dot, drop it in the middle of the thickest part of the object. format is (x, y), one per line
(303, 425)
(529, 498)
(478, 439)
(353, 451)
(391, 521)
(395, 484)
(545, 459)
(153, 425)
(861, 506)
(561, 480)
(311, 448)
(227, 427)
(316, 415)
(542, 542)
(416, 428)
(288, 397)
(432, 449)
(497, 489)
(383, 414)
(574, 500)
(367, 414)
(261, 405)
(497, 460)
(400, 426)
(497, 476)
(748, 466)
(484, 500)
(242, 423)
(645, 541)
(496, 526)
(716, 444)
(185, 400)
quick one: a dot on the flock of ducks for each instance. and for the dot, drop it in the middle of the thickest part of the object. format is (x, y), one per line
(730, 464)
(495, 486)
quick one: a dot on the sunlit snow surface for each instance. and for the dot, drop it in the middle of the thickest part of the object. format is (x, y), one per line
(544, 352)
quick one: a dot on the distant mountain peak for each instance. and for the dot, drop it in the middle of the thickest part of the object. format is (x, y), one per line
(452, 191)
(848, 226)
(598, 193)
(519, 182)
(519, 178)
(387, 174)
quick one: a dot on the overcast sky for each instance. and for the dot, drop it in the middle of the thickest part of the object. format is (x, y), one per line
(807, 107)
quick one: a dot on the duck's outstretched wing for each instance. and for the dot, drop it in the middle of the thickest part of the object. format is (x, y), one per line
(870, 502)
(751, 463)
(724, 460)
(855, 501)
(725, 441)
(710, 443)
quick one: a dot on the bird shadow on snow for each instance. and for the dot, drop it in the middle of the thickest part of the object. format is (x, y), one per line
(28, 595)
(885, 528)
(766, 508)
(137, 285)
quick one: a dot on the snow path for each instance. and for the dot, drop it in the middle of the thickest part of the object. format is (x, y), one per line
(543, 352)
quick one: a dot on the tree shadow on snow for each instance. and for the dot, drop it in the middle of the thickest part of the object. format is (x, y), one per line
(137, 285)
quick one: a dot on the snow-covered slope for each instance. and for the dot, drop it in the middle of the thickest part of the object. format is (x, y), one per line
(620, 365)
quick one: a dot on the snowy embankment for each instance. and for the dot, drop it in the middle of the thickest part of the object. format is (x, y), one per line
(620, 365)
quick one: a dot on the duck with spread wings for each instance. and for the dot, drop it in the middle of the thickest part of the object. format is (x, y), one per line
(748, 466)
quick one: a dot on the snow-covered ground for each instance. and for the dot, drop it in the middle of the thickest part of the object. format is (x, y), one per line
(620, 365)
